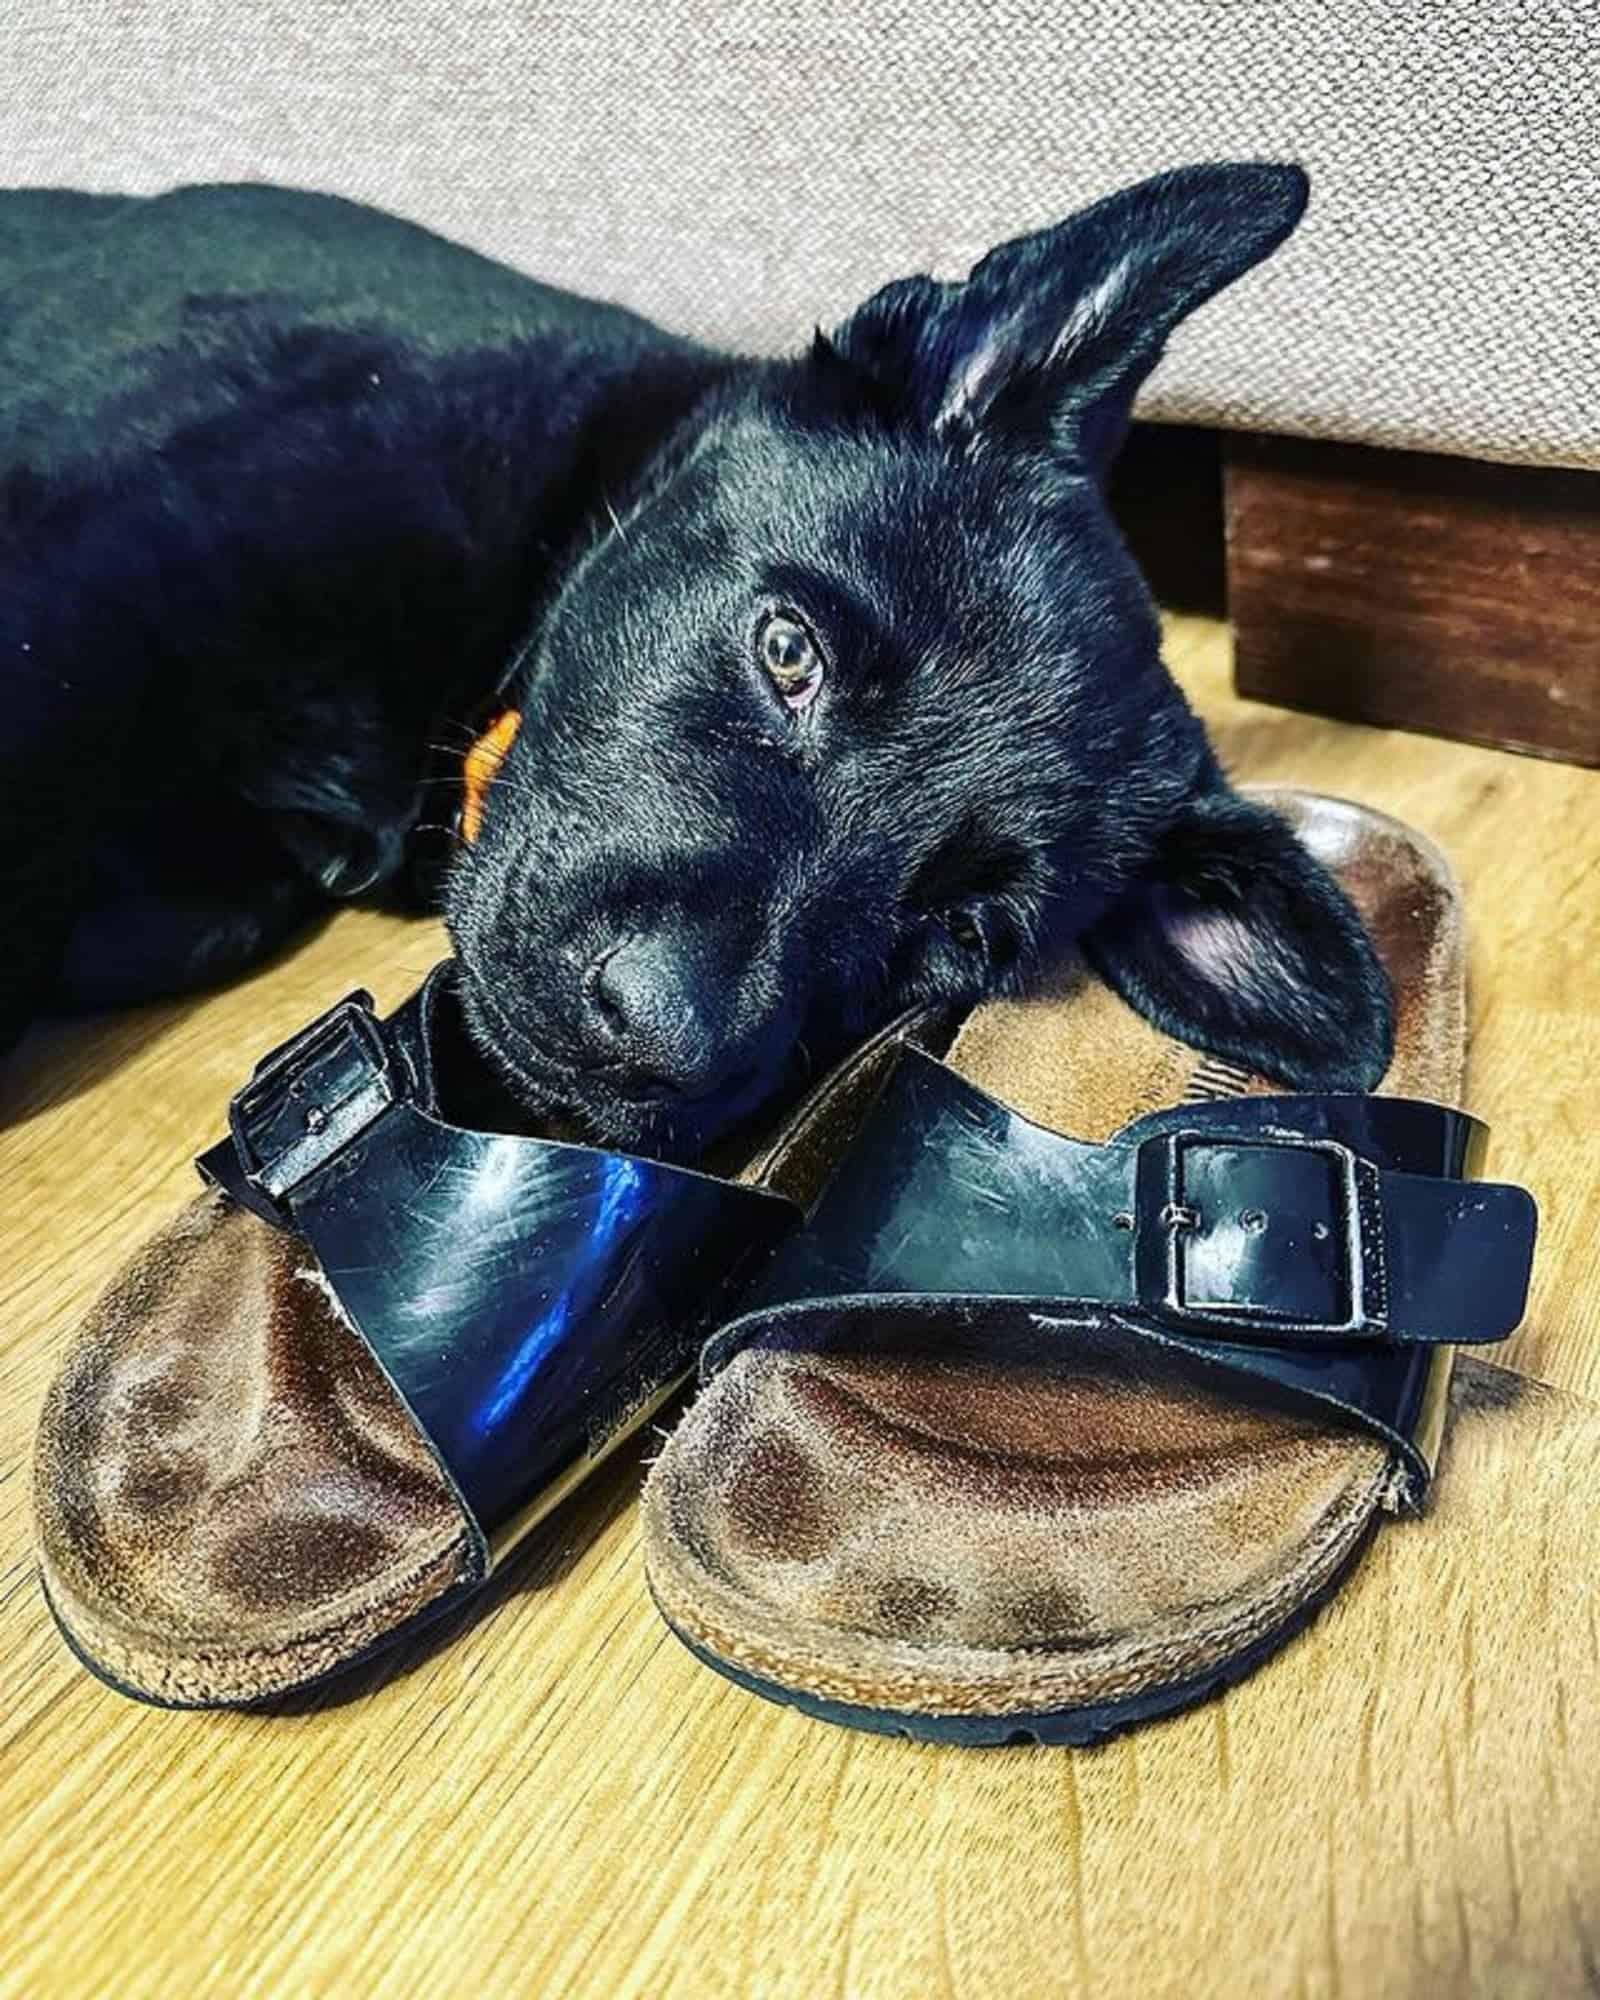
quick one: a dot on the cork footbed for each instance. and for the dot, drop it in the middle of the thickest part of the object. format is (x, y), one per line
(230, 1498)
(972, 1532)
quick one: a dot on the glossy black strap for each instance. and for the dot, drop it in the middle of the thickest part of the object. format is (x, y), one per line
(524, 1296)
(1320, 1245)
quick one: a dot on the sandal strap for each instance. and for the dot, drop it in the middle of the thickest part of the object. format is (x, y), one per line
(527, 1298)
(1327, 1245)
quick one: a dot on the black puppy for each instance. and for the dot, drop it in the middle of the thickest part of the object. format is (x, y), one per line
(839, 689)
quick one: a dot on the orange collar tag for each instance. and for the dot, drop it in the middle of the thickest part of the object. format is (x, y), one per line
(483, 760)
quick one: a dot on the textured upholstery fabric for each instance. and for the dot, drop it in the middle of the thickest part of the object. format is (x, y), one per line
(741, 171)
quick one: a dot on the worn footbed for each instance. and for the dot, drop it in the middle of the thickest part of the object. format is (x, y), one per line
(1072, 1533)
(231, 1499)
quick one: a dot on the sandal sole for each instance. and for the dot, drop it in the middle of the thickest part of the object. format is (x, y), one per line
(1076, 1728)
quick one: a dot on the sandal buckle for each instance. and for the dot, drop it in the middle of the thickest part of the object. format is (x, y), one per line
(311, 1096)
(1275, 1235)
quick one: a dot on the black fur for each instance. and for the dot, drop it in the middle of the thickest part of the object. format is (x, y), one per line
(293, 490)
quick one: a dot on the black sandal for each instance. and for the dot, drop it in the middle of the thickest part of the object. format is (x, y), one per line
(1027, 1437)
(342, 1385)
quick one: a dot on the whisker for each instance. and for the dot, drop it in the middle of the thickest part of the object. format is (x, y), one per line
(509, 788)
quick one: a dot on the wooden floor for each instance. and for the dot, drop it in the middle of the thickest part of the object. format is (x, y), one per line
(554, 1798)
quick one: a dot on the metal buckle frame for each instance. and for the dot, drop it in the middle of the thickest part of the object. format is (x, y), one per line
(283, 1132)
(1165, 1217)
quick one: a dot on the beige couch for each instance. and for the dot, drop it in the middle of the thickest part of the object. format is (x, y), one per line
(743, 171)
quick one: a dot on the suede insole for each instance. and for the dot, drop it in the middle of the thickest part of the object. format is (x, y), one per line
(230, 1497)
(1074, 1522)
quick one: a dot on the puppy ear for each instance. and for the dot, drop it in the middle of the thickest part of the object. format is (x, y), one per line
(1054, 332)
(1238, 942)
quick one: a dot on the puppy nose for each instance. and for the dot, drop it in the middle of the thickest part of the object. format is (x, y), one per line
(650, 1009)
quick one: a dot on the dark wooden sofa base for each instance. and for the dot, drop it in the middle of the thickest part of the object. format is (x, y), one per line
(1421, 592)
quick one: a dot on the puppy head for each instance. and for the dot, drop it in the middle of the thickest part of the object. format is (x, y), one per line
(860, 706)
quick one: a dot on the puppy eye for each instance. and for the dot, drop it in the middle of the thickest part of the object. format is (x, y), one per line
(791, 660)
(964, 931)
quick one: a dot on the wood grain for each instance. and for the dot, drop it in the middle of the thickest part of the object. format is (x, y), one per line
(553, 1798)
(1431, 593)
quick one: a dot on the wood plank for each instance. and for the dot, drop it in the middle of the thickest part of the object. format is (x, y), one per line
(1428, 593)
(554, 1798)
